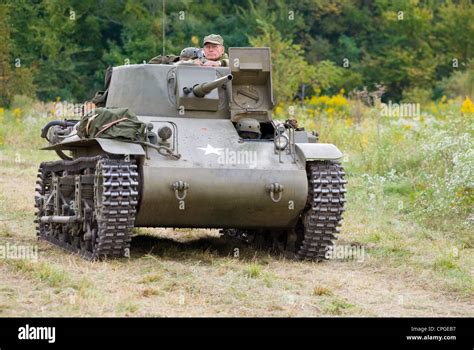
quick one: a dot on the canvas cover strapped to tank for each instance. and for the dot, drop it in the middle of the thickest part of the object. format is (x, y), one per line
(112, 123)
(168, 59)
(100, 97)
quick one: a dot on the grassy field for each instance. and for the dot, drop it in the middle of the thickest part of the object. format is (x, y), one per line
(409, 207)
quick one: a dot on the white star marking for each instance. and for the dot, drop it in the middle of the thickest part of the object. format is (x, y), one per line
(211, 150)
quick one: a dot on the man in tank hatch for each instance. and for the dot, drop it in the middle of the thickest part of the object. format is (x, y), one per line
(214, 51)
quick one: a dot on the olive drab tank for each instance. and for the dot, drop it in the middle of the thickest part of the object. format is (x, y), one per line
(200, 150)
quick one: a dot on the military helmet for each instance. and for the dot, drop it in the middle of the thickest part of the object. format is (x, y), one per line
(189, 53)
(248, 128)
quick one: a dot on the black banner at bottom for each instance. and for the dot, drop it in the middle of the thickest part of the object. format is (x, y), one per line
(23, 333)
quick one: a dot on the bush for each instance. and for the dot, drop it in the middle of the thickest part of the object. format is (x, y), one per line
(448, 167)
(432, 155)
(417, 95)
(460, 83)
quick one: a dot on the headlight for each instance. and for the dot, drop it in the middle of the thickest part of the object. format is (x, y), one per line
(281, 141)
(165, 132)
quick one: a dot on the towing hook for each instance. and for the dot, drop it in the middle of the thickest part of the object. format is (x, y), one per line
(180, 187)
(275, 189)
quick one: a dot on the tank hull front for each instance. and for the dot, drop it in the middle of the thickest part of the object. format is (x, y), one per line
(220, 198)
(227, 181)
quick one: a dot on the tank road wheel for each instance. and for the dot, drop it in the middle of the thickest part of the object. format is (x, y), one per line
(317, 228)
(88, 205)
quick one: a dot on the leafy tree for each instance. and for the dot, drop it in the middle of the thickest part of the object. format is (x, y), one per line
(452, 37)
(65, 45)
(460, 83)
(289, 67)
(5, 70)
(17, 80)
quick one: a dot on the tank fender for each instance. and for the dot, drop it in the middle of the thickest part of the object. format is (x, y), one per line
(317, 151)
(108, 145)
(119, 147)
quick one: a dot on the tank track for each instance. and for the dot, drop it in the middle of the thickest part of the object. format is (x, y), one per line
(317, 228)
(323, 215)
(111, 219)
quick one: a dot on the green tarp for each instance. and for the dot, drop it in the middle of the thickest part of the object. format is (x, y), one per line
(112, 123)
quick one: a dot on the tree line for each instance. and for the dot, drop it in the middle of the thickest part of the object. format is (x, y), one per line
(418, 50)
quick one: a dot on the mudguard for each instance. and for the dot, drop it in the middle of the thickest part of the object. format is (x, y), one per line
(108, 145)
(317, 151)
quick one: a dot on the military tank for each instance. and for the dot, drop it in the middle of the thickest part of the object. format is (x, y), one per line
(209, 156)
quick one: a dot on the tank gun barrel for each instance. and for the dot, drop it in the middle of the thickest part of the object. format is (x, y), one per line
(203, 89)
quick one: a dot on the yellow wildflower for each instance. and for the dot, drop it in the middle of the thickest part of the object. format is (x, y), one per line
(338, 100)
(17, 113)
(467, 106)
(313, 100)
(398, 137)
(323, 99)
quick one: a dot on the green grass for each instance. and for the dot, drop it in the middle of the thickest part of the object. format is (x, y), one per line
(127, 308)
(42, 271)
(151, 278)
(445, 264)
(252, 271)
(337, 307)
(5, 231)
(403, 188)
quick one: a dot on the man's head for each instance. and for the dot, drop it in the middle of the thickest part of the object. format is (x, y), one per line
(213, 47)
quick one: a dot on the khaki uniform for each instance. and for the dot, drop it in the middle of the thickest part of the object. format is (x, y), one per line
(224, 60)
